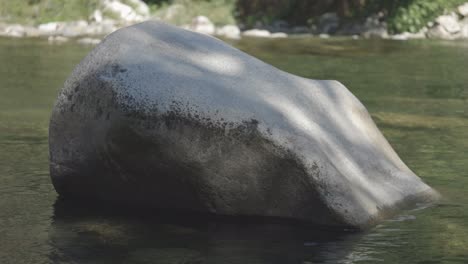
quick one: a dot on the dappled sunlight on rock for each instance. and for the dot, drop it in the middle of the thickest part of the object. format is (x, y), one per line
(234, 135)
(219, 63)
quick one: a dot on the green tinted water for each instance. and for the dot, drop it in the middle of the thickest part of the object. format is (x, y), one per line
(417, 92)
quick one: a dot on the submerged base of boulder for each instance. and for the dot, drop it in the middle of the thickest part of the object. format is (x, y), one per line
(160, 117)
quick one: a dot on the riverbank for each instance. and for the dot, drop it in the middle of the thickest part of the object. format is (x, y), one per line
(111, 15)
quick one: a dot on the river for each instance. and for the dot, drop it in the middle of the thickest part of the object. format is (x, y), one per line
(416, 92)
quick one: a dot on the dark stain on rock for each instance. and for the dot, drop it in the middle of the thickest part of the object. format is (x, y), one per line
(179, 160)
(115, 69)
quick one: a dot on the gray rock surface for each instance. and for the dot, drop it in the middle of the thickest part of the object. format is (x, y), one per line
(449, 23)
(18, 31)
(202, 24)
(261, 33)
(13, 30)
(374, 27)
(96, 16)
(463, 9)
(229, 31)
(439, 32)
(162, 117)
(51, 28)
(75, 29)
(279, 35)
(408, 35)
(464, 28)
(328, 23)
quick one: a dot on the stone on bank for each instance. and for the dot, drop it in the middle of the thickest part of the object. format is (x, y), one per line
(228, 31)
(202, 24)
(257, 33)
(160, 117)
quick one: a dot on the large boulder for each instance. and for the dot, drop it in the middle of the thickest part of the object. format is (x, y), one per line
(160, 117)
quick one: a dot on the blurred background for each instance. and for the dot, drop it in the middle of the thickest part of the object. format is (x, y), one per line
(397, 19)
(406, 60)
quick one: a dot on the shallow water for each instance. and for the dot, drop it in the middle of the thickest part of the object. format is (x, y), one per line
(417, 92)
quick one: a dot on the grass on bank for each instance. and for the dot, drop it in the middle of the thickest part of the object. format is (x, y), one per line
(179, 12)
(41, 11)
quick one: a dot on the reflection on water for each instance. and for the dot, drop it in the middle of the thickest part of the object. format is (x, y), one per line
(80, 234)
(417, 92)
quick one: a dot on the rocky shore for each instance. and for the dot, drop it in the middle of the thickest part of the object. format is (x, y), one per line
(114, 14)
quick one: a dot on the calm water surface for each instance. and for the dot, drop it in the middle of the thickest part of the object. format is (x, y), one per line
(417, 92)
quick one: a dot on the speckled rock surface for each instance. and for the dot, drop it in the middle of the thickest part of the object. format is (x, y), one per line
(161, 117)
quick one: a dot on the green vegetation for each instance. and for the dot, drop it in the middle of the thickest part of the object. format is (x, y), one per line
(176, 11)
(407, 15)
(220, 12)
(401, 15)
(293, 11)
(41, 11)
(417, 13)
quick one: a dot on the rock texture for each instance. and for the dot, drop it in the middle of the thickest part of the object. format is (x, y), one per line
(162, 117)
